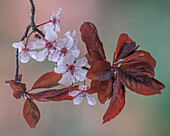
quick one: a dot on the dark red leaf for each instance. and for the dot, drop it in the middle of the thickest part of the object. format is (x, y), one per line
(54, 94)
(105, 89)
(115, 105)
(125, 47)
(18, 88)
(100, 70)
(138, 66)
(91, 61)
(31, 113)
(47, 80)
(93, 87)
(140, 82)
(141, 55)
(94, 46)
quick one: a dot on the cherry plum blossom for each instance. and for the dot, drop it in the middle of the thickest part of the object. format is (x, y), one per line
(81, 94)
(72, 72)
(55, 21)
(64, 48)
(25, 53)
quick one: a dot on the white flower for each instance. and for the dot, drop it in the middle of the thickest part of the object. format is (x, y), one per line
(47, 44)
(82, 94)
(72, 72)
(25, 52)
(55, 18)
(73, 35)
(64, 48)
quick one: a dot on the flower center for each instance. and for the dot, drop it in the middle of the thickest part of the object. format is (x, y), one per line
(49, 45)
(63, 50)
(71, 68)
(25, 50)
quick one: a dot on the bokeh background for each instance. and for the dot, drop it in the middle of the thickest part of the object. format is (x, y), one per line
(146, 21)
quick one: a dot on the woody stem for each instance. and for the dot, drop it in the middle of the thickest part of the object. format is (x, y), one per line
(34, 28)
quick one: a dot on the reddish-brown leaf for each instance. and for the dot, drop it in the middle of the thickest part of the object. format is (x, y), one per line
(105, 89)
(93, 87)
(47, 80)
(18, 88)
(140, 82)
(138, 66)
(100, 71)
(91, 61)
(54, 94)
(141, 55)
(115, 105)
(125, 47)
(94, 46)
(31, 113)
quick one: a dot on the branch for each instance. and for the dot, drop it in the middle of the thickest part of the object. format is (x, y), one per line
(34, 28)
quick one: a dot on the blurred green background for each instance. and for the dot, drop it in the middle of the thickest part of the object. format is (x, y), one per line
(146, 21)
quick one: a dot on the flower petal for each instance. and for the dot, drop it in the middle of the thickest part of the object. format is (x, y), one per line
(90, 99)
(51, 36)
(60, 69)
(68, 60)
(41, 55)
(80, 74)
(32, 54)
(39, 44)
(74, 93)
(82, 87)
(24, 57)
(19, 45)
(66, 79)
(59, 44)
(75, 52)
(54, 56)
(81, 62)
(48, 27)
(69, 42)
(77, 100)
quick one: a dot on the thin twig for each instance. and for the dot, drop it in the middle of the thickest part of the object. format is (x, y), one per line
(34, 28)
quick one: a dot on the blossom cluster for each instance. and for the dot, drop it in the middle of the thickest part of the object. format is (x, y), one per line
(62, 52)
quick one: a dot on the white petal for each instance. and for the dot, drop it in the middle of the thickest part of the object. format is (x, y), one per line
(52, 15)
(69, 42)
(69, 60)
(24, 57)
(77, 100)
(41, 55)
(75, 52)
(59, 44)
(32, 54)
(51, 36)
(74, 35)
(39, 44)
(48, 27)
(81, 62)
(67, 33)
(82, 87)
(58, 12)
(66, 79)
(80, 74)
(61, 60)
(60, 69)
(90, 99)
(19, 45)
(54, 56)
(57, 28)
(74, 93)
